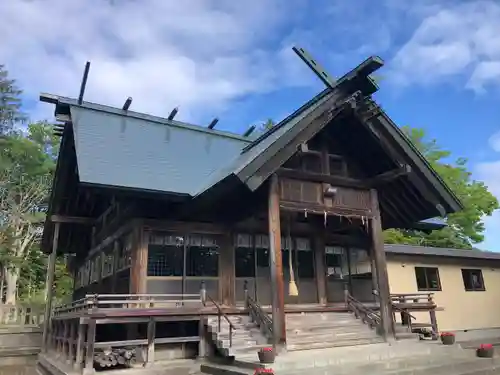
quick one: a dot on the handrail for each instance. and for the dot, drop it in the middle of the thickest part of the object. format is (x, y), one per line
(220, 314)
(258, 315)
(394, 306)
(366, 314)
(129, 301)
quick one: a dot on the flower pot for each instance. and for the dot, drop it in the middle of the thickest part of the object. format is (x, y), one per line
(266, 356)
(263, 371)
(485, 352)
(448, 339)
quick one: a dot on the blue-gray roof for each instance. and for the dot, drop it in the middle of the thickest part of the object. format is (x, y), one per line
(127, 149)
(258, 146)
(441, 251)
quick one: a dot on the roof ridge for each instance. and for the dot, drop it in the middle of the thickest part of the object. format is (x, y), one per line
(62, 100)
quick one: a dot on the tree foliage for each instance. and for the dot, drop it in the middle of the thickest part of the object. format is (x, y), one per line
(465, 228)
(27, 164)
(10, 102)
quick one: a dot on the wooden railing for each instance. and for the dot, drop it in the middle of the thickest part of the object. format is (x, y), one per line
(257, 314)
(406, 302)
(21, 315)
(220, 314)
(129, 301)
(73, 339)
(367, 315)
(415, 299)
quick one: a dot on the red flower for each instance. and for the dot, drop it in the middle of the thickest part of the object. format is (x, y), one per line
(268, 349)
(447, 334)
(486, 346)
(261, 370)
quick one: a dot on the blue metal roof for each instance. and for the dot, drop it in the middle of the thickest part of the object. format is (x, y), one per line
(251, 151)
(120, 149)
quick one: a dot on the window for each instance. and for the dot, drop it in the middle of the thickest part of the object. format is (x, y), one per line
(311, 163)
(244, 256)
(262, 251)
(165, 260)
(202, 256)
(165, 255)
(337, 166)
(305, 258)
(427, 278)
(473, 280)
(336, 262)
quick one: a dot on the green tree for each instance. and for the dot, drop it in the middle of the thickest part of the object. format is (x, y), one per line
(10, 102)
(264, 127)
(27, 162)
(465, 228)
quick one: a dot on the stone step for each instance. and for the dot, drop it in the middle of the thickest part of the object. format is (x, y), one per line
(377, 359)
(330, 337)
(237, 336)
(235, 329)
(320, 325)
(396, 364)
(238, 351)
(331, 330)
(352, 356)
(321, 321)
(225, 327)
(319, 314)
(332, 344)
(457, 368)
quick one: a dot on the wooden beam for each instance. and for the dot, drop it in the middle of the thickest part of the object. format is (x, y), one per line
(381, 269)
(320, 266)
(49, 287)
(388, 176)
(72, 219)
(83, 85)
(322, 178)
(275, 261)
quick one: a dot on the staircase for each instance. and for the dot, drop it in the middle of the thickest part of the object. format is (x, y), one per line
(245, 337)
(327, 329)
(400, 358)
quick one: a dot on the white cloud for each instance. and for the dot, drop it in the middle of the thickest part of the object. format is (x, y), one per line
(456, 38)
(489, 173)
(494, 142)
(198, 54)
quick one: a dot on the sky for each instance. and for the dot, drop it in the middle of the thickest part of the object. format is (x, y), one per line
(233, 60)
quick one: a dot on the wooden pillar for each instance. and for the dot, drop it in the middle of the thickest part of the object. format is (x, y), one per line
(226, 270)
(65, 339)
(50, 282)
(116, 253)
(89, 352)
(139, 266)
(275, 261)
(72, 343)
(320, 266)
(381, 268)
(80, 346)
(202, 345)
(433, 318)
(348, 282)
(151, 342)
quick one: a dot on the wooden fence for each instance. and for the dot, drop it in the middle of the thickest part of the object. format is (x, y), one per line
(21, 315)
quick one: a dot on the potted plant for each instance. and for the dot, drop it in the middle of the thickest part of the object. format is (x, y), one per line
(263, 370)
(266, 355)
(485, 351)
(447, 338)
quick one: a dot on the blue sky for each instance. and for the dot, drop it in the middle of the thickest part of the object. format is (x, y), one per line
(233, 59)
